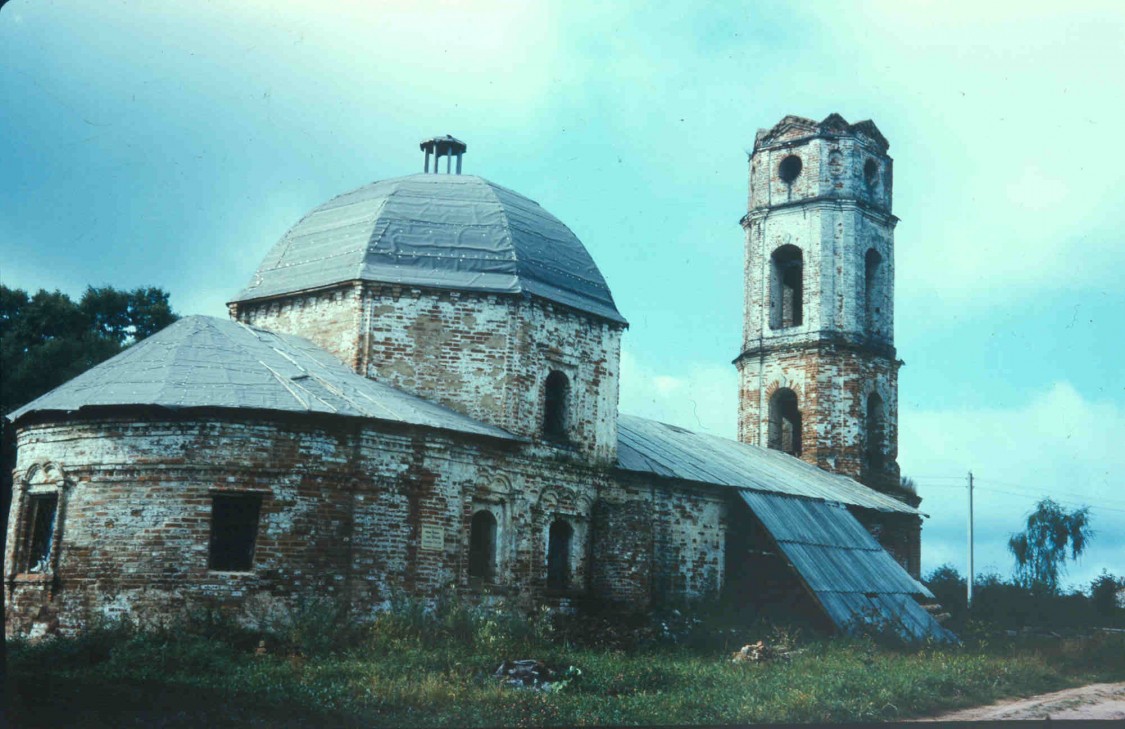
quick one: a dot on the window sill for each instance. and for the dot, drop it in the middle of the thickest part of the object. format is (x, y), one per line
(479, 585)
(33, 577)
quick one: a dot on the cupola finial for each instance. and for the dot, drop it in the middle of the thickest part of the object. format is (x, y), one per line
(446, 146)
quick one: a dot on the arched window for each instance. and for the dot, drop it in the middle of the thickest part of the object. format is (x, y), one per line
(872, 288)
(786, 287)
(555, 402)
(558, 555)
(39, 533)
(876, 431)
(40, 504)
(482, 546)
(785, 422)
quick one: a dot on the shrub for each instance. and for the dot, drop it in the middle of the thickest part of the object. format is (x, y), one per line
(316, 626)
(1104, 591)
(453, 620)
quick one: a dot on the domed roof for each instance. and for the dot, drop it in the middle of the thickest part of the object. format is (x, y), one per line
(437, 230)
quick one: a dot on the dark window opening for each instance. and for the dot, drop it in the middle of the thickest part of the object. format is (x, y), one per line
(872, 288)
(876, 427)
(789, 168)
(785, 422)
(787, 288)
(234, 529)
(556, 394)
(871, 172)
(40, 532)
(558, 555)
(482, 546)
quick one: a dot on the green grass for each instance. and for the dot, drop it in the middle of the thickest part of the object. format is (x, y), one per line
(419, 671)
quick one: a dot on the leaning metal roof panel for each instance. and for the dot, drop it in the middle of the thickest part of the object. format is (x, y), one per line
(437, 230)
(853, 578)
(854, 611)
(201, 361)
(647, 446)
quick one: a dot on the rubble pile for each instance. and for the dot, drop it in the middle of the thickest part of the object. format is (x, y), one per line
(534, 675)
(761, 652)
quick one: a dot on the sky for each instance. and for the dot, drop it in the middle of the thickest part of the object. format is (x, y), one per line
(172, 143)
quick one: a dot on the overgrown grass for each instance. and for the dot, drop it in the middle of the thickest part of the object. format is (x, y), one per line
(415, 667)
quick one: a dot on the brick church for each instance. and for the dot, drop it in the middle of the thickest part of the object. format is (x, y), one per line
(417, 392)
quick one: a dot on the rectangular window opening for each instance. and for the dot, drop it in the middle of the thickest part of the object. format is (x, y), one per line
(40, 532)
(234, 530)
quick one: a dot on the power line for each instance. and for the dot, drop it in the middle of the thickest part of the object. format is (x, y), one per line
(1069, 502)
(1075, 500)
(1053, 491)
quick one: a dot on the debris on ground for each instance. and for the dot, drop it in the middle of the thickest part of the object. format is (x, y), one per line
(535, 675)
(761, 652)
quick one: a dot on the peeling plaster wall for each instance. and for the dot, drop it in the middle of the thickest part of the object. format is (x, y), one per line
(688, 554)
(331, 319)
(836, 210)
(487, 356)
(358, 511)
(832, 384)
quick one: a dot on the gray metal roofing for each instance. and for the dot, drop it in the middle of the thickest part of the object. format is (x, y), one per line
(647, 446)
(853, 577)
(854, 611)
(201, 361)
(445, 231)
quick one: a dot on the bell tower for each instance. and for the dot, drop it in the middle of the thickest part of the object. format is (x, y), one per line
(818, 372)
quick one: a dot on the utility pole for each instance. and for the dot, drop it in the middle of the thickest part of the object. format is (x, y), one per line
(969, 581)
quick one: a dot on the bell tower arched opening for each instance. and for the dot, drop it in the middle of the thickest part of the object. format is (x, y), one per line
(872, 290)
(787, 277)
(875, 428)
(785, 422)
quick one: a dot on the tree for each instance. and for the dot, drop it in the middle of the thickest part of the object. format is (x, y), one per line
(1103, 593)
(1041, 549)
(47, 339)
(948, 587)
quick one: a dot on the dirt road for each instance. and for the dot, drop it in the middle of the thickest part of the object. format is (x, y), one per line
(1097, 701)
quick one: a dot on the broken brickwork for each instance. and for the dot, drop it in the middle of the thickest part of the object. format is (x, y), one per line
(234, 504)
(485, 355)
(351, 510)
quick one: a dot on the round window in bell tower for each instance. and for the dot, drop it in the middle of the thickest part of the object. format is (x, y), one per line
(789, 168)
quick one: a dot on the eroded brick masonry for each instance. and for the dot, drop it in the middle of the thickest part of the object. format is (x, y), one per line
(818, 371)
(144, 508)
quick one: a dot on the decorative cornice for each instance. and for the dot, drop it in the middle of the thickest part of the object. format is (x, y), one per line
(825, 201)
(824, 339)
(833, 125)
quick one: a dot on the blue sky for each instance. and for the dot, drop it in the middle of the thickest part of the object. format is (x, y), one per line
(172, 143)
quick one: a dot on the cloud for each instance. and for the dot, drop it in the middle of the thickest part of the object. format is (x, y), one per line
(699, 396)
(993, 186)
(1060, 444)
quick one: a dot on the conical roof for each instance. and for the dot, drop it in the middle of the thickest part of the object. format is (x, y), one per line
(204, 362)
(444, 231)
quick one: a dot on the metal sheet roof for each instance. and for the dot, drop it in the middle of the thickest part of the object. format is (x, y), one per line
(445, 231)
(647, 446)
(853, 578)
(201, 361)
(854, 611)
